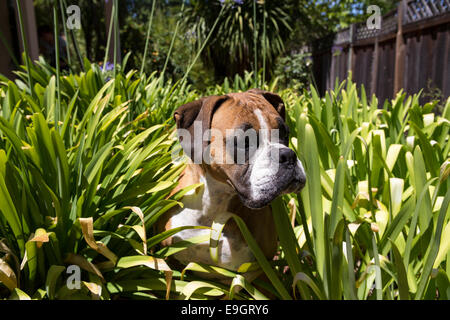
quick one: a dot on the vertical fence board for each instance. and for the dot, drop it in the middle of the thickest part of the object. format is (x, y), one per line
(363, 66)
(385, 82)
(446, 69)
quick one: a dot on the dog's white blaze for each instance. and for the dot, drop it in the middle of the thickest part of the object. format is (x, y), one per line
(265, 166)
(201, 209)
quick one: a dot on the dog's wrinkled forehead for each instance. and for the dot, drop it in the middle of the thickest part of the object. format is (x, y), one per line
(240, 112)
(237, 106)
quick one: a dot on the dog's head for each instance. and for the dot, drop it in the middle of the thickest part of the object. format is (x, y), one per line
(242, 139)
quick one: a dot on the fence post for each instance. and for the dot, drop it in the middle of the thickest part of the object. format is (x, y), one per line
(374, 74)
(399, 50)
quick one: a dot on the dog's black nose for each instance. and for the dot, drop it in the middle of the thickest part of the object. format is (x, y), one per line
(287, 156)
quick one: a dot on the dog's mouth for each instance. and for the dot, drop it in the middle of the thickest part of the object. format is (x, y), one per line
(245, 196)
(283, 185)
(296, 185)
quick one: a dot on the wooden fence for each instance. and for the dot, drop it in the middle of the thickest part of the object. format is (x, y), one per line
(410, 51)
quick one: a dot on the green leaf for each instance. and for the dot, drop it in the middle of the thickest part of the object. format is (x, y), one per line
(182, 245)
(168, 233)
(338, 197)
(7, 276)
(315, 198)
(444, 247)
(18, 294)
(240, 282)
(150, 262)
(412, 228)
(199, 267)
(148, 284)
(306, 279)
(52, 277)
(429, 155)
(211, 289)
(288, 241)
(95, 165)
(420, 182)
(18, 227)
(401, 273)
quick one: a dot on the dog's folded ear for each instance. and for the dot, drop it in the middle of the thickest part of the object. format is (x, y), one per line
(199, 111)
(274, 99)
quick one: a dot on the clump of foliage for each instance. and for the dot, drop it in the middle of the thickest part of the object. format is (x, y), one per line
(105, 165)
(294, 71)
(85, 177)
(251, 34)
(373, 219)
(238, 28)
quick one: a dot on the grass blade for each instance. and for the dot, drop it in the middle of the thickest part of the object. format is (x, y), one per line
(401, 273)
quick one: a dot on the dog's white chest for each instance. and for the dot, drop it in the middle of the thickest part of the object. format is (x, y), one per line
(202, 209)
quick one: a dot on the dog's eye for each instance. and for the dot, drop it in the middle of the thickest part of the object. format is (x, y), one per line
(241, 142)
(247, 143)
(284, 131)
(244, 145)
(246, 140)
(284, 134)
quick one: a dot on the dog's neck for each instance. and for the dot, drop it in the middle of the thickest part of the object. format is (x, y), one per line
(216, 195)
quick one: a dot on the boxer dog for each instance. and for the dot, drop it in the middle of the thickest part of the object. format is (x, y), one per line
(242, 167)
